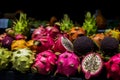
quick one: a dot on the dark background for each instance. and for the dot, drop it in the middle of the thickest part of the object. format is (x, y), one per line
(76, 9)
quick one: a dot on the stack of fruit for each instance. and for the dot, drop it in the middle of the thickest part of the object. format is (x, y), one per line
(61, 48)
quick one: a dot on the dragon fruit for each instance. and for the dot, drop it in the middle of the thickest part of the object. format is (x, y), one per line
(113, 67)
(53, 31)
(5, 56)
(62, 44)
(68, 64)
(44, 43)
(39, 32)
(44, 63)
(7, 41)
(20, 36)
(92, 65)
(22, 60)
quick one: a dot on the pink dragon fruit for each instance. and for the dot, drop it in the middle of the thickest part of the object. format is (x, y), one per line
(45, 42)
(113, 67)
(53, 31)
(62, 44)
(92, 65)
(45, 62)
(39, 32)
(68, 64)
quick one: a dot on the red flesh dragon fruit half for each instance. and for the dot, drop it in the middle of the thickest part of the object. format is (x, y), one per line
(92, 65)
(45, 62)
(68, 64)
(62, 44)
(113, 67)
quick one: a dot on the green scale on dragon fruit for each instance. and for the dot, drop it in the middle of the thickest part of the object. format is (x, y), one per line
(45, 63)
(68, 64)
(5, 56)
(22, 60)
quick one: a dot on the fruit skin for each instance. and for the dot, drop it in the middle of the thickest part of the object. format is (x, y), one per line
(45, 62)
(20, 36)
(76, 32)
(7, 41)
(62, 44)
(68, 64)
(39, 32)
(44, 43)
(53, 31)
(97, 38)
(31, 44)
(18, 44)
(87, 72)
(115, 33)
(83, 45)
(109, 46)
(22, 60)
(113, 67)
(2, 36)
(5, 56)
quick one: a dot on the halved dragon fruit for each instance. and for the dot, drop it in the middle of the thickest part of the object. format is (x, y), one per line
(44, 63)
(62, 44)
(92, 65)
(68, 64)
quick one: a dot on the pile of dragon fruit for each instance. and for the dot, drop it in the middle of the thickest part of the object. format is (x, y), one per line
(53, 50)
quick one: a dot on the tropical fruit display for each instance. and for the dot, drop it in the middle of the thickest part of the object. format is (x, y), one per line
(61, 48)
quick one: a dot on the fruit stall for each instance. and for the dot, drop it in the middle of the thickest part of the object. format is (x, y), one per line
(60, 49)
